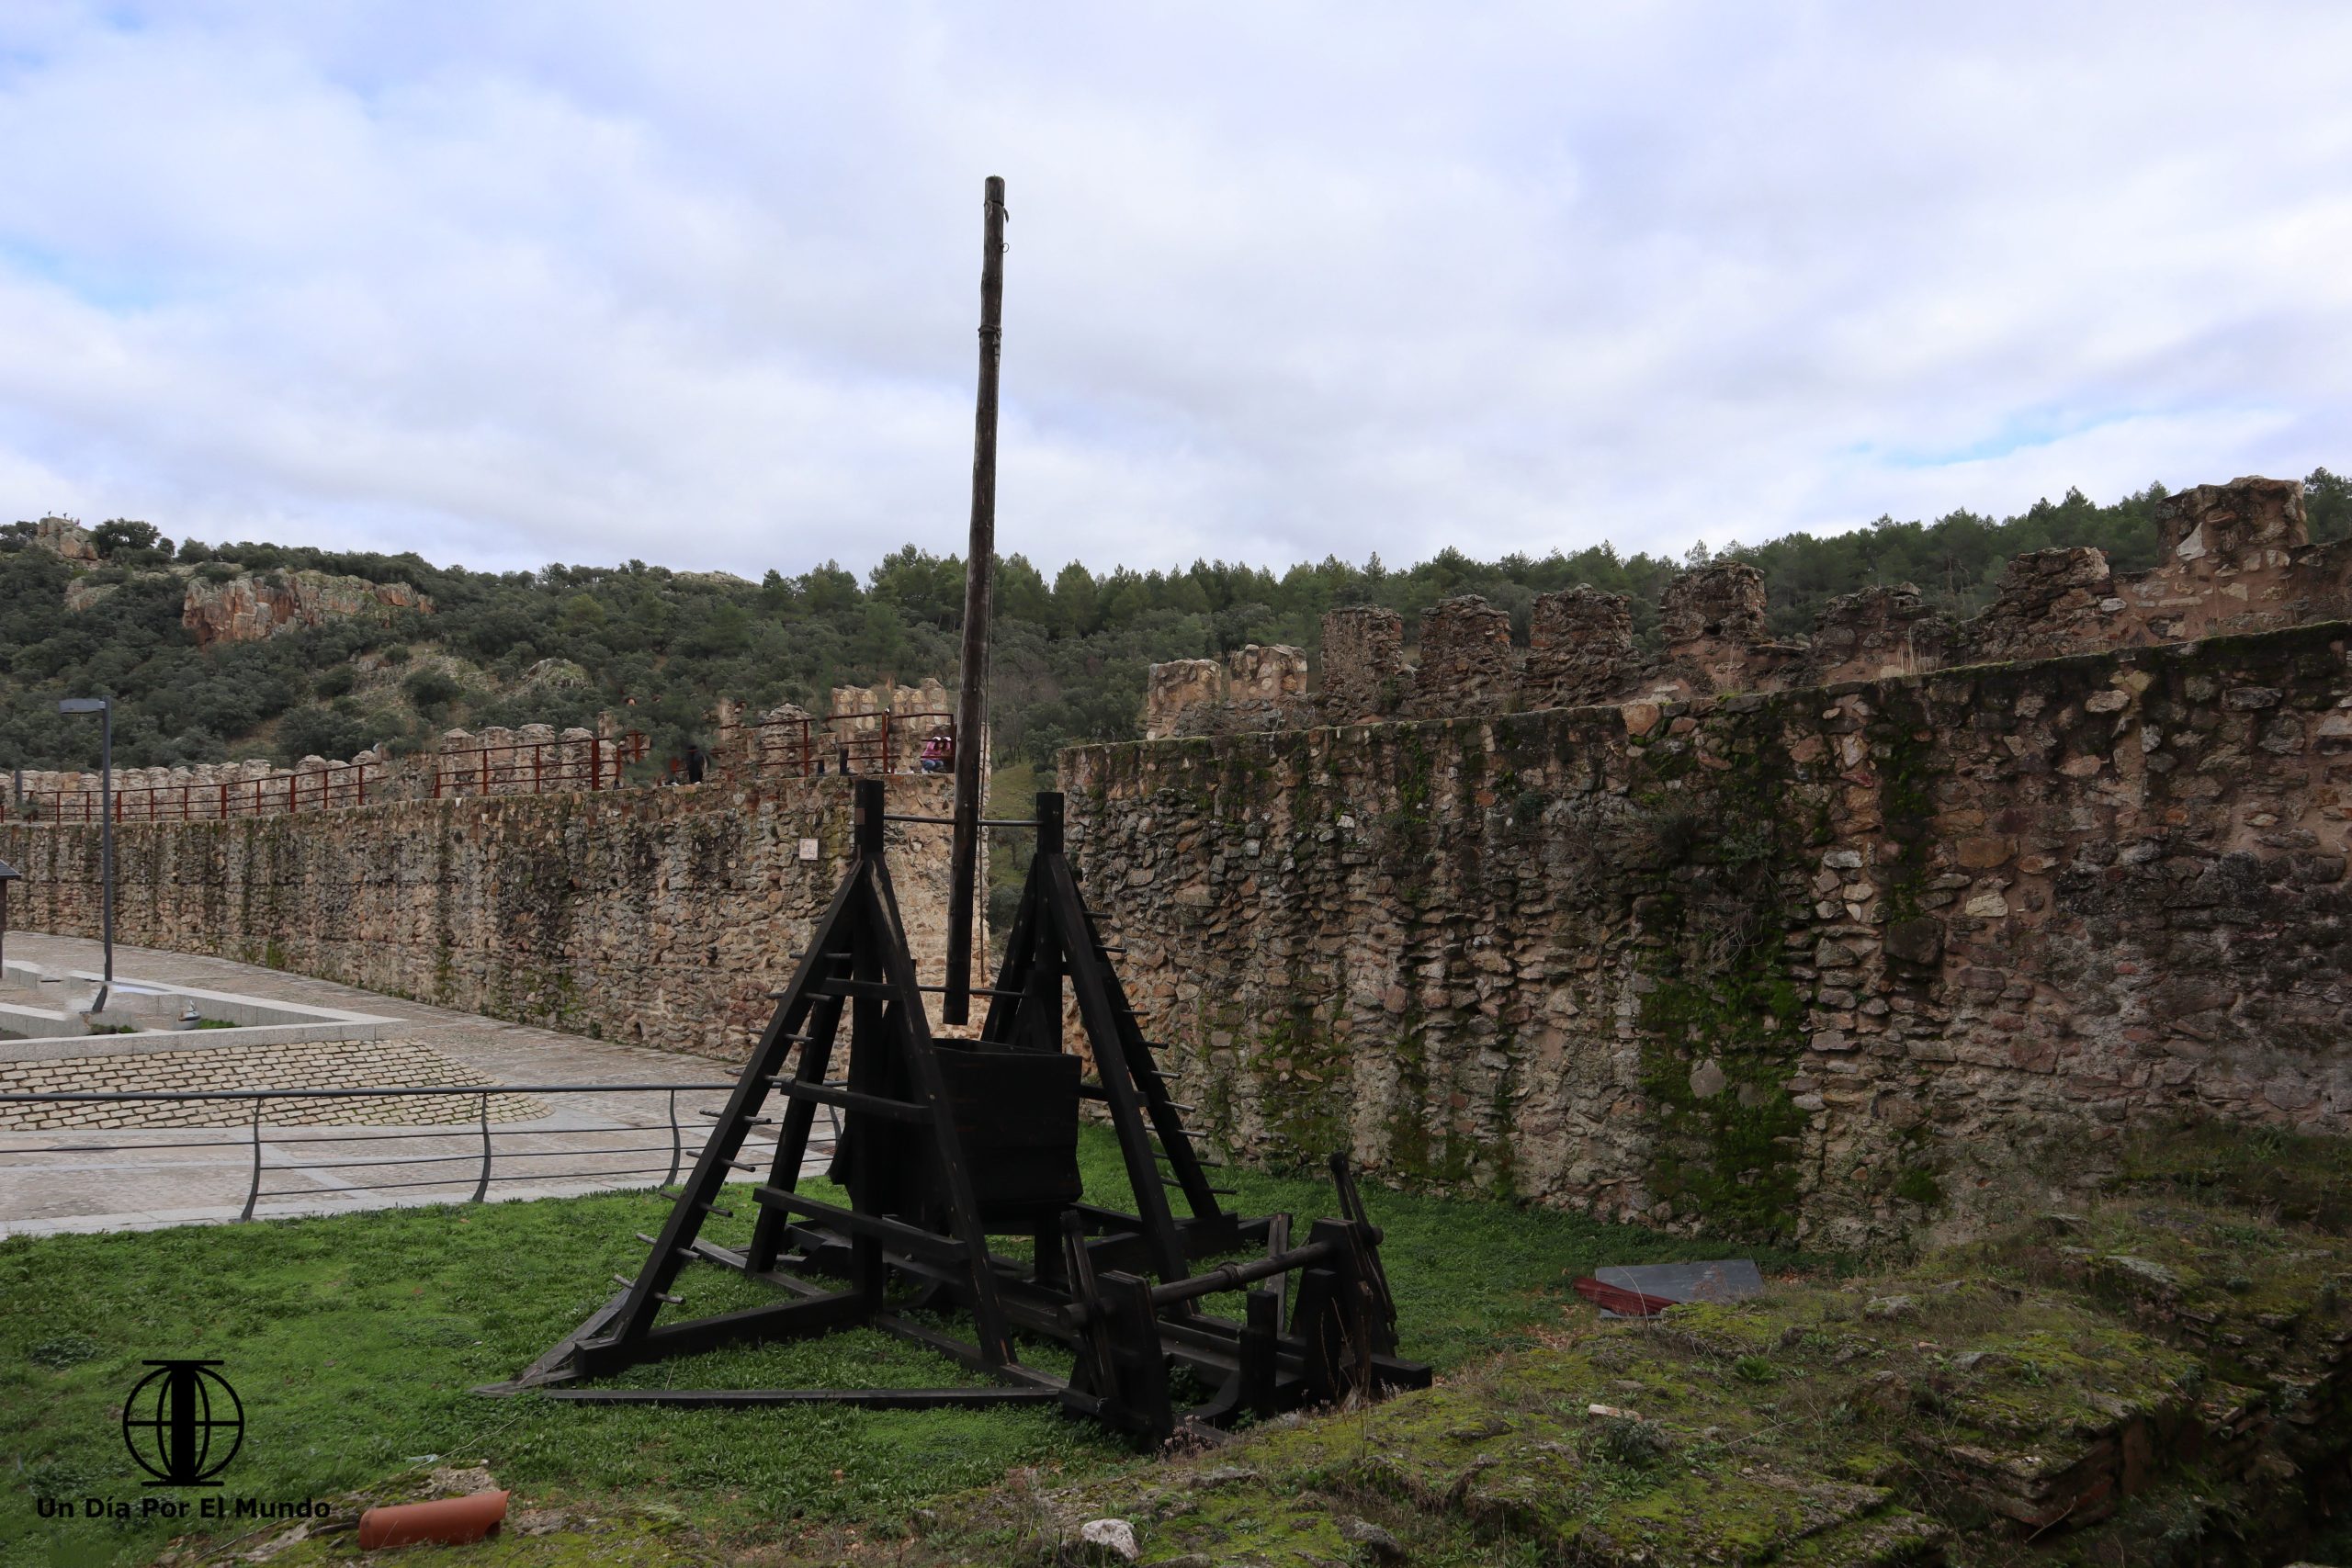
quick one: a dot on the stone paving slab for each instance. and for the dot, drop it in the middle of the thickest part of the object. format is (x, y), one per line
(199, 1066)
(80, 1179)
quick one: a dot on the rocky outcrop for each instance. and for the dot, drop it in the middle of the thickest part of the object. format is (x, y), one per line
(64, 537)
(248, 608)
(555, 675)
(81, 593)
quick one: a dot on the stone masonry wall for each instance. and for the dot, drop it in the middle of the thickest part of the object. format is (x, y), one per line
(1845, 963)
(530, 759)
(657, 915)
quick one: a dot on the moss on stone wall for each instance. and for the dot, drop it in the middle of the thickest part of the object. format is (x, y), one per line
(1303, 1079)
(1721, 1018)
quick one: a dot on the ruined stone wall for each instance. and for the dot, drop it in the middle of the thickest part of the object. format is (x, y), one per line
(1842, 963)
(250, 788)
(860, 709)
(659, 917)
(2236, 558)
(1871, 635)
(1466, 663)
(1579, 647)
(1364, 676)
(1253, 688)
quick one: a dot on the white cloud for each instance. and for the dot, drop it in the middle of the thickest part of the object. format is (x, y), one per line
(593, 282)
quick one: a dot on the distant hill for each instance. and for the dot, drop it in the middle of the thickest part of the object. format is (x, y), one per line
(220, 651)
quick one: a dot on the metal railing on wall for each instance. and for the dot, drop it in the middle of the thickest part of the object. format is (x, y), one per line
(864, 744)
(474, 1152)
(534, 767)
(340, 784)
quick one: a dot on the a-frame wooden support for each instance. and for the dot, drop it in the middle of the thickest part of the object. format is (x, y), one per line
(857, 963)
(1055, 939)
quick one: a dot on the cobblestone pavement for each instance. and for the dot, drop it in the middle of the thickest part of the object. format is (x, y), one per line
(80, 1178)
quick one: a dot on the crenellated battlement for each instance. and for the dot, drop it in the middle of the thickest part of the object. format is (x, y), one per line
(1579, 647)
(1251, 688)
(2237, 559)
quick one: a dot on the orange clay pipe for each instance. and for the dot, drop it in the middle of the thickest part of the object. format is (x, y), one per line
(451, 1521)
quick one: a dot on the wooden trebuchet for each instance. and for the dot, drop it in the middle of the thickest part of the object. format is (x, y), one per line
(944, 1143)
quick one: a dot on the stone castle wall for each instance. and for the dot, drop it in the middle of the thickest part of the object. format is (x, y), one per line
(530, 759)
(659, 917)
(1844, 962)
(533, 758)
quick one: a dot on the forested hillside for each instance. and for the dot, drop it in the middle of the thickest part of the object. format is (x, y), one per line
(559, 644)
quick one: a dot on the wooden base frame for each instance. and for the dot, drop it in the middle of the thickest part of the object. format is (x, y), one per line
(945, 1142)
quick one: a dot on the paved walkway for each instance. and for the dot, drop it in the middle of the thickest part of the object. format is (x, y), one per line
(91, 1179)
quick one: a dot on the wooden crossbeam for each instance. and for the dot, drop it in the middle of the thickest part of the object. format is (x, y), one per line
(980, 1398)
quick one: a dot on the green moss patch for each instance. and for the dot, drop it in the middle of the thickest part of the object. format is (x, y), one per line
(1994, 1405)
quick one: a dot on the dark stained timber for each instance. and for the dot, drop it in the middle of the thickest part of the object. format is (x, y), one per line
(867, 1398)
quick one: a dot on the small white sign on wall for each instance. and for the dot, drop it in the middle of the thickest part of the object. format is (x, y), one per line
(807, 849)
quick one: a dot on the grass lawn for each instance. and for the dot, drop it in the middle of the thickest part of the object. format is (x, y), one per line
(353, 1341)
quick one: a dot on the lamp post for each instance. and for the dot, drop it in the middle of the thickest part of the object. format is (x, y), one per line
(7, 873)
(104, 708)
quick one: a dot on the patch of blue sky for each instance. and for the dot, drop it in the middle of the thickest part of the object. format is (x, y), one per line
(2018, 433)
(112, 288)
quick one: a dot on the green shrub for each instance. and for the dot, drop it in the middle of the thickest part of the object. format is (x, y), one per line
(432, 690)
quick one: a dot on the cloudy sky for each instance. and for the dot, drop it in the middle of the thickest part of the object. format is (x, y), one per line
(697, 283)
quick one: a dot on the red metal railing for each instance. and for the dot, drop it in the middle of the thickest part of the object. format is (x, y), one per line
(805, 747)
(534, 767)
(343, 783)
